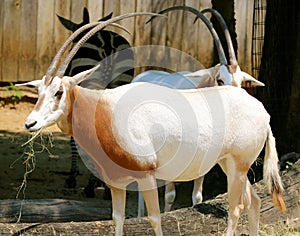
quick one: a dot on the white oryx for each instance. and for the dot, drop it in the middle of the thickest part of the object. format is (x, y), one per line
(221, 74)
(141, 131)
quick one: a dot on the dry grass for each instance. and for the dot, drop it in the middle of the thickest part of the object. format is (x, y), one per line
(279, 229)
(35, 144)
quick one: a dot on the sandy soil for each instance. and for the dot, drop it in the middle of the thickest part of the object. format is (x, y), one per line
(48, 178)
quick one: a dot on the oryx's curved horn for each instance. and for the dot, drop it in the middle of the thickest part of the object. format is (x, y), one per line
(52, 68)
(232, 57)
(99, 25)
(65, 63)
(122, 27)
(209, 25)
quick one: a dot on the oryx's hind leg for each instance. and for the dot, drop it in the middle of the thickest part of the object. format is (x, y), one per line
(170, 194)
(236, 182)
(148, 187)
(252, 203)
(197, 191)
(118, 197)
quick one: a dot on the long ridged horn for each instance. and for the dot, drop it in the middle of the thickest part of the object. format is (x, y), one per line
(65, 63)
(97, 26)
(232, 57)
(209, 25)
(51, 69)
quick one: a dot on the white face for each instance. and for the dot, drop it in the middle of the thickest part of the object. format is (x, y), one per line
(223, 76)
(50, 105)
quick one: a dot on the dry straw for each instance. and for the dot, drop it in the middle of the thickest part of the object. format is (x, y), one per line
(36, 144)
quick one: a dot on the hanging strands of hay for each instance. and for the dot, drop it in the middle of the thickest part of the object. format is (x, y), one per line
(35, 144)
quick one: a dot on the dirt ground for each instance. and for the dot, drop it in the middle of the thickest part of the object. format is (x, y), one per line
(52, 166)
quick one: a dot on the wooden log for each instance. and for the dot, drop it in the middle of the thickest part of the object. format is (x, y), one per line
(52, 210)
(208, 218)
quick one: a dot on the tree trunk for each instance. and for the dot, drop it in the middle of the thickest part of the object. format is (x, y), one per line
(280, 72)
(293, 124)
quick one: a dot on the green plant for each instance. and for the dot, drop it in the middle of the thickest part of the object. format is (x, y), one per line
(288, 164)
(17, 95)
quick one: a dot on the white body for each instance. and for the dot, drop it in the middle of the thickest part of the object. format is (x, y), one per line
(217, 75)
(201, 144)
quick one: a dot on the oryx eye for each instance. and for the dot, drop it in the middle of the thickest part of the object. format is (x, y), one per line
(220, 82)
(59, 93)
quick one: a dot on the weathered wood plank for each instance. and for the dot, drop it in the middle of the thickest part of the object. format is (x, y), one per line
(175, 32)
(159, 32)
(45, 36)
(159, 24)
(76, 10)
(205, 41)
(142, 32)
(129, 23)
(96, 8)
(11, 39)
(27, 50)
(190, 35)
(190, 39)
(244, 23)
(1, 33)
(62, 8)
(112, 6)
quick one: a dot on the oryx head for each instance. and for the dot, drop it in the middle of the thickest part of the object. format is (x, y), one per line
(54, 90)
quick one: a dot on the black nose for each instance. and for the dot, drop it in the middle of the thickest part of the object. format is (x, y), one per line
(28, 126)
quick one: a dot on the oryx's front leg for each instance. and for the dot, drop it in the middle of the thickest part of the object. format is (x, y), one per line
(148, 187)
(197, 191)
(118, 197)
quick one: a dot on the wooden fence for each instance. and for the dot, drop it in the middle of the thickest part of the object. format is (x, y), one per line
(30, 33)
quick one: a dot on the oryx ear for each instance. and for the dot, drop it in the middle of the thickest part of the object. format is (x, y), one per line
(249, 81)
(78, 78)
(34, 83)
